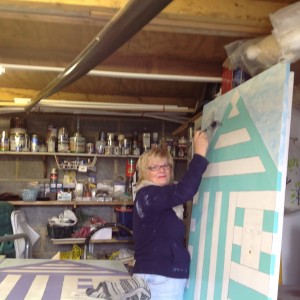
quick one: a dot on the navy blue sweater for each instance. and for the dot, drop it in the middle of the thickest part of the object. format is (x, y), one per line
(158, 232)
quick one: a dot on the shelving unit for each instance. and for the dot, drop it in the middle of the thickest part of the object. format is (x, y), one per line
(71, 241)
(23, 167)
(69, 154)
(58, 156)
(70, 203)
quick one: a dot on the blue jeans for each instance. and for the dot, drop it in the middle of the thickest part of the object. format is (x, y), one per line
(164, 288)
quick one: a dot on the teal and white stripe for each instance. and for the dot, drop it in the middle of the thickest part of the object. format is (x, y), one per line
(235, 230)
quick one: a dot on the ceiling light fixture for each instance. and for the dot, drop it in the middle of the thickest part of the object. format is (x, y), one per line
(2, 70)
(114, 74)
(22, 101)
(112, 106)
(57, 104)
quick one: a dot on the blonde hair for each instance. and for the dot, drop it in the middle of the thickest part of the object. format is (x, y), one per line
(142, 163)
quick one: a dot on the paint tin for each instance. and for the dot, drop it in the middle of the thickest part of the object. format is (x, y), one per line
(109, 150)
(90, 148)
(182, 143)
(53, 176)
(53, 180)
(117, 150)
(135, 148)
(126, 147)
(100, 147)
(130, 167)
(51, 143)
(146, 141)
(51, 132)
(4, 146)
(17, 139)
(110, 139)
(121, 138)
(34, 143)
(63, 140)
(77, 143)
(27, 143)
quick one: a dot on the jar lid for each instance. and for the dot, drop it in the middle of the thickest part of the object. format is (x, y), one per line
(17, 130)
(121, 137)
(76, 134)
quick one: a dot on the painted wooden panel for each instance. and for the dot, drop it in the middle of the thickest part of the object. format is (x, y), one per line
(32, 279)
(236, 226)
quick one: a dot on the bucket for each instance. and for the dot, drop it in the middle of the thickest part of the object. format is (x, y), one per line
(124, 216)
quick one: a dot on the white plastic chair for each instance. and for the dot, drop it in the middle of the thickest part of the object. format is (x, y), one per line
(19, 225)
(13, 237)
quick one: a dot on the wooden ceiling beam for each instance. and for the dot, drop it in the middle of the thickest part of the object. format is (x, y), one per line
(8, 95)
(230, 17)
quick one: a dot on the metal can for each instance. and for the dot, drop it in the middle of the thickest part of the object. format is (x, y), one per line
(126, 147)
(109, 150)
(146, 141)
(51, 131)
(4, 146)
(53, 180)
(90, 148)
(63, 142)
(130, 167)
(51, 144)
(34, 143)
(53, 176)
(110, 139)
(77, 143)
(17, 139)
(117, 150)
(100, 147)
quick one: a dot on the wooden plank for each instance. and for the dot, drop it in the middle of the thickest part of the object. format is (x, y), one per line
(70, 241)
(191, 15)
(8, 94)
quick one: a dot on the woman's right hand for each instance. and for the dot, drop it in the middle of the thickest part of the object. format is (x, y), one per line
(200, 143)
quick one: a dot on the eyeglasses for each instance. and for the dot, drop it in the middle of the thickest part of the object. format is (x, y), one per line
(156, 168)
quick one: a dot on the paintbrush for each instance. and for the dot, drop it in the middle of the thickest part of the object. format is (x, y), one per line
(213, 125)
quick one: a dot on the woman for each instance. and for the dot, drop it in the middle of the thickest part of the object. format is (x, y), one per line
(162, 259)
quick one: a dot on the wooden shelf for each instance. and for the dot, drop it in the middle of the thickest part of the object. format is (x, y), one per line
(71, 241)
(64, 154)
(70, 203)
(68, 154)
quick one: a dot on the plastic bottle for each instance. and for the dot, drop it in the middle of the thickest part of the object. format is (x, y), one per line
(130, 170)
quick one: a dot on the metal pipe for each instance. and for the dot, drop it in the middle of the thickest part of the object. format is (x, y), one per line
(117, 74)
(164, 116)
(13, 237)
(128, 21)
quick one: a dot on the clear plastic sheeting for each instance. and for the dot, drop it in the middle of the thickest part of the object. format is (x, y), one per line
(286, 29)
(258, 54)
(254, 55)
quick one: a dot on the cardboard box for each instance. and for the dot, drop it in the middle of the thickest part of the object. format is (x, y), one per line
(103, 234)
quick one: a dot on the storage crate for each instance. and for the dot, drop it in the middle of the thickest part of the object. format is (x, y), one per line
(59, 232)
